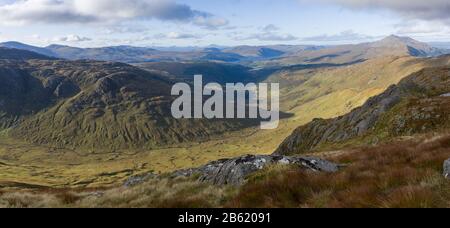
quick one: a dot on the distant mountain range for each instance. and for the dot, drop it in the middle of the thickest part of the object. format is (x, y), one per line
(389, 46)
(273, 55)
(130, 54)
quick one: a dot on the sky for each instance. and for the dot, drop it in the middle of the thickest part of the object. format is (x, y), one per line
(93, 23)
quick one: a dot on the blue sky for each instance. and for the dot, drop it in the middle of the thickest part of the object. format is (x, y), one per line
(89, 23)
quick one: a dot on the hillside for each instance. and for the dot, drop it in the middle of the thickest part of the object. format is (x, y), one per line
(255, 51)
(16, 54)
(418, 104)
(21, 46)
(94, 105)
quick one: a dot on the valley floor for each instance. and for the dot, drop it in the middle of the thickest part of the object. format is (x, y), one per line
(24, 165)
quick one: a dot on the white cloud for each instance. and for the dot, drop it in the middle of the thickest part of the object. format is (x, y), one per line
(36, 37)
(176, 35)
(418, 27)
(209, 21)
(267, 33)
(270, 28)
(124, 28)
(71, 38)
(272, 37)
(348, 35)
(103, 11)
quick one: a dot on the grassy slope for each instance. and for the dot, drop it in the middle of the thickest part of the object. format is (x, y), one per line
(400, 174)
(420, 110)
(324, 93)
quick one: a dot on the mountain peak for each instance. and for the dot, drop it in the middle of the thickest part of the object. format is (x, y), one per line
(394, 39)
(407, 45)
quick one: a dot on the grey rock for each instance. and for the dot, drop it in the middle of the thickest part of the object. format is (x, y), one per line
(354, 124)
(235, 171)
(447, 169)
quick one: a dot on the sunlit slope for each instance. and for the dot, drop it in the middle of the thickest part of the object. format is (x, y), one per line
(418, 104)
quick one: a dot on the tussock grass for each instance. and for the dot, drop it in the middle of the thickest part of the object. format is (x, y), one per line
(156, 193)
(399, 175)
(403, 174)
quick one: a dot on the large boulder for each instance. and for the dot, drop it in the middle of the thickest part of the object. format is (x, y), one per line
(447, 169)
(235, 171)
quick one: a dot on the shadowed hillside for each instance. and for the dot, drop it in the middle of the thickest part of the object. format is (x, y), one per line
(94, 105)
(17, 54)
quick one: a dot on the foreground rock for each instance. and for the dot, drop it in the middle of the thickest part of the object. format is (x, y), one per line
(447, 169)
(235, 171)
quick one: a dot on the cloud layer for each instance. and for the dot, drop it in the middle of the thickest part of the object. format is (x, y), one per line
(343, 36)
(267, 33)
(103, 11)
(417, 9)
(71, 38)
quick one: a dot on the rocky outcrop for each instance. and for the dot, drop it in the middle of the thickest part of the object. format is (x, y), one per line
(354, 124)
(428, 83)
(447, 169)
(235, 171)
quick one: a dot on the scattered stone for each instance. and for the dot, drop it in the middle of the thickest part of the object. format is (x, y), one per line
(447, 169)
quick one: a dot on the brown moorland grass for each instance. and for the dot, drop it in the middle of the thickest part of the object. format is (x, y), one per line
(398, 175)
(156, 193)
(404, 174)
